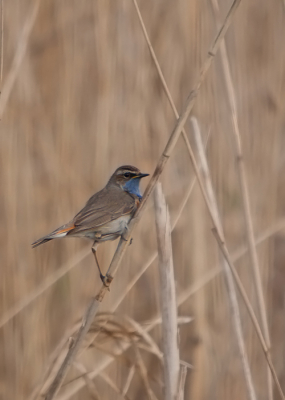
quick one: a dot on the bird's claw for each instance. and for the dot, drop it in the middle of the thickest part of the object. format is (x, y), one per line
(131, 240)
(106, 280)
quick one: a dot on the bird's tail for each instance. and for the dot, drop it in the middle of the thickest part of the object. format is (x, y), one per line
(58, 233)
(40, 241)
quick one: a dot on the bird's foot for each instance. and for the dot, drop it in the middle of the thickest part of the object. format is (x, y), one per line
(106, 280)
(123, 237)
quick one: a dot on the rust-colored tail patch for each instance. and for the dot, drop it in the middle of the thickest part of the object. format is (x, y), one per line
(58, 233)
(64, 230)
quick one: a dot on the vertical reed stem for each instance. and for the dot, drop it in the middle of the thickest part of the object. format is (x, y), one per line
(167, 295)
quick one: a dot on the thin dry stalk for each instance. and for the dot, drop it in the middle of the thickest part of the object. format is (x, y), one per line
(221, 241)
(235, 313)
(161, 76)
(19, 56)
(56, 358)
(167, 295)
(181, 384)
(146, 336)
(122, 246)
(254, 320)
(111, 383)
(89, 383)
(129, 380)
(143, 372)
(244, 192)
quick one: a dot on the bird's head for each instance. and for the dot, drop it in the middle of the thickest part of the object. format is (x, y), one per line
(127, 178)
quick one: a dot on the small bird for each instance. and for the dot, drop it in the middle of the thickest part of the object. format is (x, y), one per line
(107, 213)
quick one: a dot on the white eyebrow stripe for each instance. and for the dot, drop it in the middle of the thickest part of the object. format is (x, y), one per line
(123, 171)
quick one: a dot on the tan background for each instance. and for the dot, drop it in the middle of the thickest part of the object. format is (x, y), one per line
(86, 99)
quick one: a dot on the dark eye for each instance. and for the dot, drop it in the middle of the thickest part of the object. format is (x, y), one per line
(127, 175)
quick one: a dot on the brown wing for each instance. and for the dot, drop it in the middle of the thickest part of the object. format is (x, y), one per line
(108, 204)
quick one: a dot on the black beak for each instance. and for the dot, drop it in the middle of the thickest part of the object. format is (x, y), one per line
(142, 175)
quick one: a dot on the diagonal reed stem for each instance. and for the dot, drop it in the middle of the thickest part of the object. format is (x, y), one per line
(122, 246)
(234, 312)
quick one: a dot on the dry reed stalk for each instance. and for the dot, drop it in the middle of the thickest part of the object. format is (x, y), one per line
(235, 313)
(122, 246)
(181, 383)
(128, 380)
(109, 381)
(218, 233)
(167, 295)
(226, 255)
(18, 57)
(55, 360)
(89, 383)
(143, 372)
(244, 192)
(161, 76)
(153, 347)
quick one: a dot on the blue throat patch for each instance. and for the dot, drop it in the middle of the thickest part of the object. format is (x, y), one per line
(133, 187)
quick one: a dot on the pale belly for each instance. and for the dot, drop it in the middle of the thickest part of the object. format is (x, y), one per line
(110, 231)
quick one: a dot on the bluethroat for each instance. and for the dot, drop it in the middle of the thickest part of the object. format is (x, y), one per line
(107, 213)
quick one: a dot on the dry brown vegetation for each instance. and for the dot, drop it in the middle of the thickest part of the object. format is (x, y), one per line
(81, 96)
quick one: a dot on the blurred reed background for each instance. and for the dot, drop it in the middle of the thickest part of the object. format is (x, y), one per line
(86, 99)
